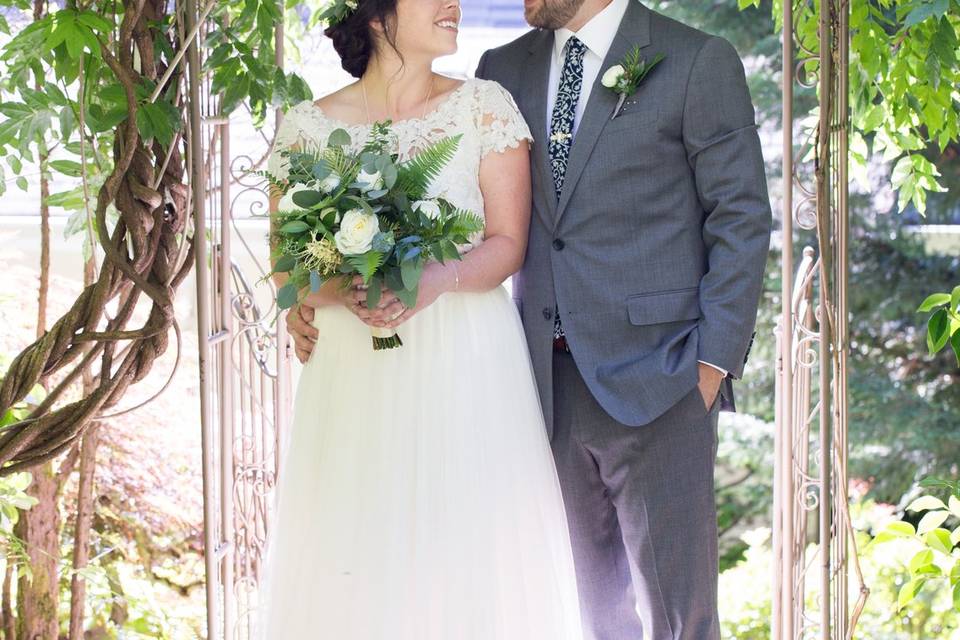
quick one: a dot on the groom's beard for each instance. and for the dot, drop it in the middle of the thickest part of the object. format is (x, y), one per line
(551, 14)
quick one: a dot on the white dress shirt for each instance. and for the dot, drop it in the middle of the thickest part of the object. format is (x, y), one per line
(597, 34)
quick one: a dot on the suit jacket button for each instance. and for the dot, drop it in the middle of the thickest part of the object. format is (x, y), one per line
(558, 244)
(547, 313)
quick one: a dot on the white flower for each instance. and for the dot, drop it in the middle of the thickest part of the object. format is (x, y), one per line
(286, 202)
(370, 181)
(357, 230)
(611, 77)
(429, 208)
(331, 182)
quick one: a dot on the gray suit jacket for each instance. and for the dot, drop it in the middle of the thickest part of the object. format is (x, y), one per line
(656, 249)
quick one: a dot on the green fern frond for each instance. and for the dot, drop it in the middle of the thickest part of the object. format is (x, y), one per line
(415, 175)
(367, 264)
(463, 223)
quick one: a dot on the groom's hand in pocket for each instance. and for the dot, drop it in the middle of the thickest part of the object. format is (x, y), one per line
(710, 380)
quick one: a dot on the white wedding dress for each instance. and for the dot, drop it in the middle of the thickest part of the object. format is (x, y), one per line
(417, 497)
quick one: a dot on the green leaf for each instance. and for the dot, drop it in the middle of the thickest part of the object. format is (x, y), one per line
(923, 503)
(909, 591)
(939, 539)
(955, 299)
(338, 138)
(411, 270)
(294, 227)
(407, 297)
(287, 296)
(926, 10)
(374, 292)
(67, 167)
(307, 199)
(931, 521)
(920, 560)
(954, 505)
(22, 183)
(938, 331)
(900, 529)
(934, 301)
(284, 264)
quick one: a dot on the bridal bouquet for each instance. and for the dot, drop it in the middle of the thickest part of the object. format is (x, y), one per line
(366, 214)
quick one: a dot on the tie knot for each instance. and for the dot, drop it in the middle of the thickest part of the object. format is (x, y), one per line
(575, 47)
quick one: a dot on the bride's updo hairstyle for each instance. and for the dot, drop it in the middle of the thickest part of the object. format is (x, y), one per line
(355, 40)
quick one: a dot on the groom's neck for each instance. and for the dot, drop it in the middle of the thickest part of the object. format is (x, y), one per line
(587, 11)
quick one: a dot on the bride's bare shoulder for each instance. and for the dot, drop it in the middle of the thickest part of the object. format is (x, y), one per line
(343, 104)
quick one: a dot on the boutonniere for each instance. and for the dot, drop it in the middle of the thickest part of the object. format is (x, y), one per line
(624, 78)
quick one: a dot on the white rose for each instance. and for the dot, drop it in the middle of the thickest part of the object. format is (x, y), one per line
(331, 182)
(370, 181)
(612, 76)
(357, 230)
(286, 202)
(429, 208)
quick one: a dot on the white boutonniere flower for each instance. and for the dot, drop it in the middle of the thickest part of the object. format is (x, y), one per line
(624, 78)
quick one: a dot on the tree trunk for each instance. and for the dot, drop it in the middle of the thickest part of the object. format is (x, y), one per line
(9, 623)
(81, 545)
(39, 9)
(39, 528)
(85, 502)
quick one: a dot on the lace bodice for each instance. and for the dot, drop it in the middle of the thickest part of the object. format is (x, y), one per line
(481, 110)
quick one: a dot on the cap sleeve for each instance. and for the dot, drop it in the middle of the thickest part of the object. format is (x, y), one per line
(289, 134)
(501, 123)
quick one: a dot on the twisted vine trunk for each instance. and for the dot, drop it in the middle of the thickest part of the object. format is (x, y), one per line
(142, 256)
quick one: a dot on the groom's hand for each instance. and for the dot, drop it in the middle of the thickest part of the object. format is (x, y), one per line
(300, 327)
(710, 380)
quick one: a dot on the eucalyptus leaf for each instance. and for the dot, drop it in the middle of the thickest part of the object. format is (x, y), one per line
(407, 297)
(286, 296)
(374, 292)
(410, 271)
(294, 226)
(338, 138)
(284, 264)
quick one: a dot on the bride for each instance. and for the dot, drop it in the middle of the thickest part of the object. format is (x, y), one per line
(418, 498)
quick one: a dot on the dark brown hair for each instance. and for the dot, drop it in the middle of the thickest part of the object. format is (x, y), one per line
(354, 39)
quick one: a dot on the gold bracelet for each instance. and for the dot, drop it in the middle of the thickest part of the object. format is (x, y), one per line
(456, 273)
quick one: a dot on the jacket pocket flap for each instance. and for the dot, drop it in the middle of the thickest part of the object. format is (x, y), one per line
(664, 306)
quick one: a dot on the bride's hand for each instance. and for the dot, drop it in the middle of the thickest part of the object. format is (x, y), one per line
(436, 280)
(349, 292)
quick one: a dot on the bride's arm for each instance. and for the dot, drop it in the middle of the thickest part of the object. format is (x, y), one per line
(505, 185)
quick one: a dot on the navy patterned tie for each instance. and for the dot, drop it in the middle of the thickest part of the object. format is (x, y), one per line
(565, 108)
(561, 136)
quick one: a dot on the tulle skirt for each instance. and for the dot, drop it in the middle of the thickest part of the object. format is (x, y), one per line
(418, 497)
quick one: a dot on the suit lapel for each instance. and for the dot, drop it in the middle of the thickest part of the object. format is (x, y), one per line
(533, 103)
(634, 30)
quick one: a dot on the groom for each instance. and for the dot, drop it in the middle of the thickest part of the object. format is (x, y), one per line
(638, 294)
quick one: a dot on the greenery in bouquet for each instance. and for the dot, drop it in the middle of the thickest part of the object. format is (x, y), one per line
(366, 214)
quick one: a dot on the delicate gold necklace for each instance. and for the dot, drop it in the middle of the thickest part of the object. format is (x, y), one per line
(366, 105)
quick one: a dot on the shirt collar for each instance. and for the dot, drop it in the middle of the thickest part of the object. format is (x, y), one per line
(597, 34)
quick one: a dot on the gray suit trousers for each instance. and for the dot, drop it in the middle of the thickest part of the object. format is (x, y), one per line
(642, 513)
